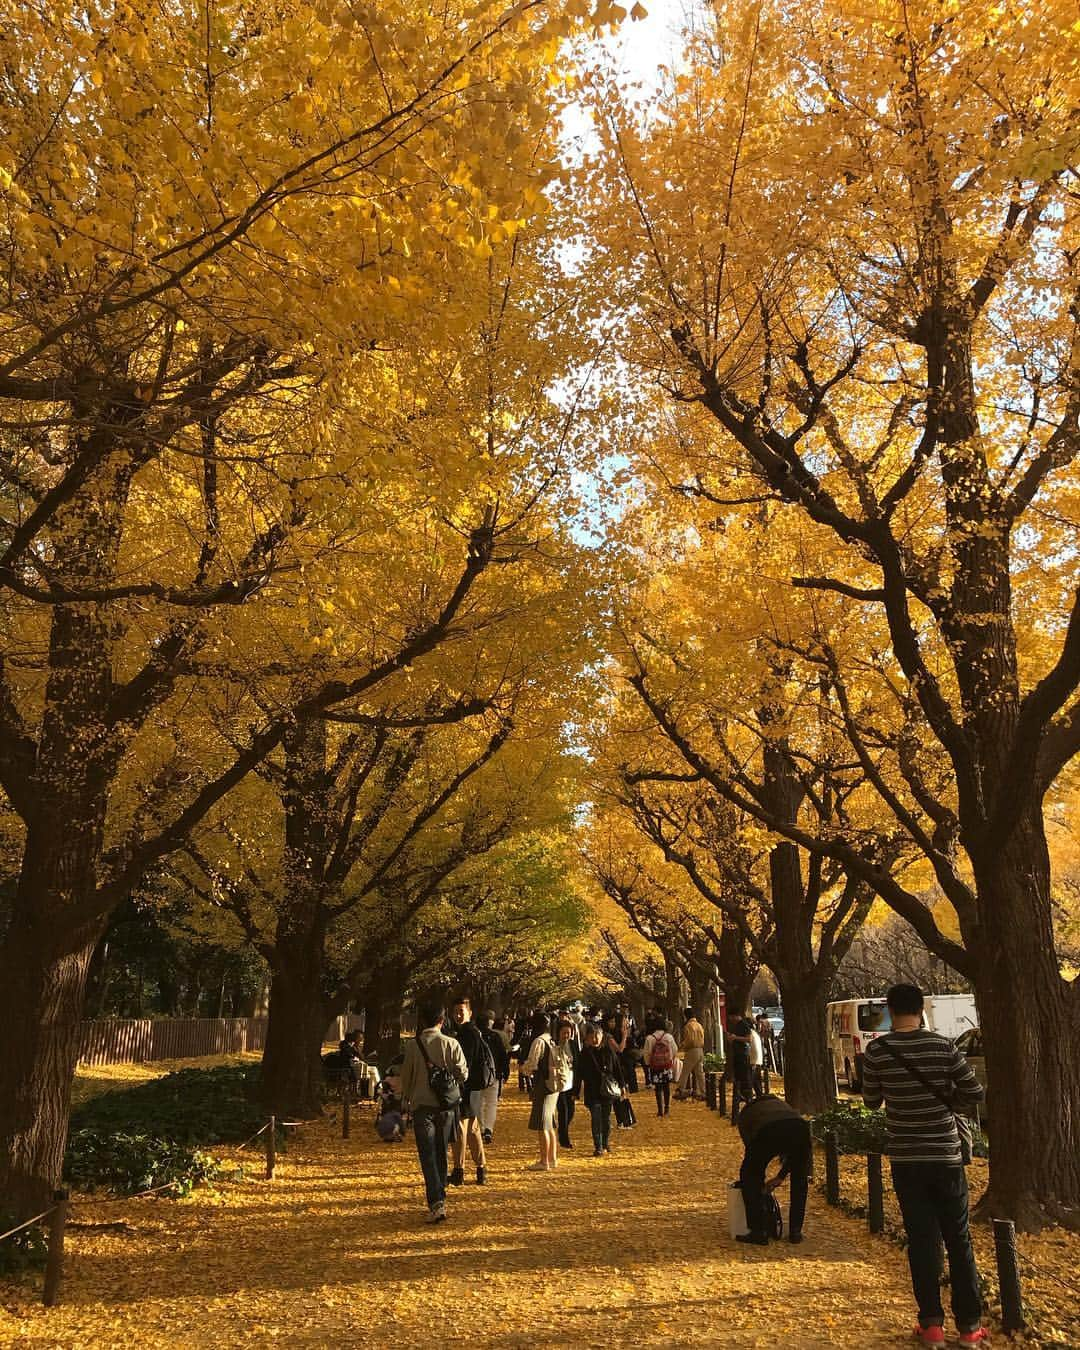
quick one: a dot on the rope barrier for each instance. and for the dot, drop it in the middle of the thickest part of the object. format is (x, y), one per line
(29, 1223)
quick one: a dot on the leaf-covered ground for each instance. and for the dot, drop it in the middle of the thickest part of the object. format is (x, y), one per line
(630, 1250)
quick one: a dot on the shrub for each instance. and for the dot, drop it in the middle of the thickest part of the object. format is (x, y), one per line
(130, 1163)
(714, 1063)
(857, 1129)
(140, 1138)
(860, 1130)
(25, 1250)
(193, 1106)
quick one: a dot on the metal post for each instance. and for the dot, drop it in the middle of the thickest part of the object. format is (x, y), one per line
(875, 1194)
(1012, 1304)
(271, 1148)
(721, 1094)
(345, 1117)
(832, 1169)
(710, 1091)
(54, 1264)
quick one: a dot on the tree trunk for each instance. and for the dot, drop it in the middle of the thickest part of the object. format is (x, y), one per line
(43, 967)
(292, 1072)
(809, 1082)
(292, 1065)
(1030, 1019)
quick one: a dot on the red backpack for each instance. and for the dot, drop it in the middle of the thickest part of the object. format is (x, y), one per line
(661, 1058)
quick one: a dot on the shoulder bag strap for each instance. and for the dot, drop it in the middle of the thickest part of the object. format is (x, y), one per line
(916, 1073)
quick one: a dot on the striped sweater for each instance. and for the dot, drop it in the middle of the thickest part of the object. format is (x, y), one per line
(920, 1128)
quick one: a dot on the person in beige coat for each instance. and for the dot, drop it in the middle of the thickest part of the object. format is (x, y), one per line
(692, 1053)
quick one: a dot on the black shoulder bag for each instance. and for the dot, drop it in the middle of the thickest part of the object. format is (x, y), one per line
(963, 1125)
(442, 1082)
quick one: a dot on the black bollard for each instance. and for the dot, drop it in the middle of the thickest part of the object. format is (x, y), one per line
(710, 1091)
(1012, 1304)
(721, 1094)
(54, 1263)
(832, 1169)
(271, 1148)
(875, 1194)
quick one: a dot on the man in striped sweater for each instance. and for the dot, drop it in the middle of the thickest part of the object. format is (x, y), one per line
(924, 1152)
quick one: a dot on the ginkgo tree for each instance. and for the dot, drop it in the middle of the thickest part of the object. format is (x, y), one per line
(219, 221)
(848, 235)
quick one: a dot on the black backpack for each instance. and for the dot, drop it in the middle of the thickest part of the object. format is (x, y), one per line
(483, 1067)
(441, 1081)
(774, 1219)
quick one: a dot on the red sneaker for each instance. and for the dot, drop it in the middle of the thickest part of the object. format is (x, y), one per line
(930, 1335)
(977, 1337)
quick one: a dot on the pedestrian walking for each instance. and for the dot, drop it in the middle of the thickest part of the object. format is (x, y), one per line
(772, 1129)
(542, 1067)
(617, 1039)
(739, 1055)
(601, 1083)
(568, 1080)
(485, 1100)
(692, 1052)
(479, 1078)
(659, 1059)
(433, 1076)
(757, 1063)
(923, 1080)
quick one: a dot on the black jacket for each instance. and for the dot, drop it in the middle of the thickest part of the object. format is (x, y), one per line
(595, 1061)
(499, 1052)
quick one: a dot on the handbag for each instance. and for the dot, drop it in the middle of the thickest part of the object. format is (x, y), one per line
(963, 1125)
(610, 1087)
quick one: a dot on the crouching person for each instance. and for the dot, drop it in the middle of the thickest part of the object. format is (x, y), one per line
(772, 1129)
(432, 1077)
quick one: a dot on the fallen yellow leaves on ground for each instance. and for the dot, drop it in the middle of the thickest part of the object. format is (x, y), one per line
(620, 1251)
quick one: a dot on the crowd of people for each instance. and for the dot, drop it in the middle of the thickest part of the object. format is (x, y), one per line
(455, 1069)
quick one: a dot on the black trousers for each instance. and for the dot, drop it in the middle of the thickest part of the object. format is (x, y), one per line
(565, 1108)
(787, 1139)
(663, 1096)
(934, 1202)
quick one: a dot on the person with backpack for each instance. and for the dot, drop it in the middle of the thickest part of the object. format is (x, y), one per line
(433, 1075)
(542, 1066)
(602, 1086)
(486, 1099)
(480, 1077)
(772, 1129)
(659, 1057)
(924, 1080)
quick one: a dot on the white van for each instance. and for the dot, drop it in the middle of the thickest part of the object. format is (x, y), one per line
(853, 1023)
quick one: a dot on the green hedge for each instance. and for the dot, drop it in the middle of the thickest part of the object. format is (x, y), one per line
(142, 1137)
(860, 1130)
(130, 1163)
(194, 1106)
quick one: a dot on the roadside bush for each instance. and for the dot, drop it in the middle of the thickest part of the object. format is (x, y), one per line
(860, 1130)
(142, 1137)
(193, 1106)
(713, 1063)
(130, 1163)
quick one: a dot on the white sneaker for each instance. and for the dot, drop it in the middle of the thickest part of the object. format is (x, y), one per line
(437, 1213)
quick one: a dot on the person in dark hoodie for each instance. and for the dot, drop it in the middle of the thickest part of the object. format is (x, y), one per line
(600, 1071)
(772, 1129)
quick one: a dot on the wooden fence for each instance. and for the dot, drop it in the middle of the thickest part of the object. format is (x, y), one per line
(115, 1041)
